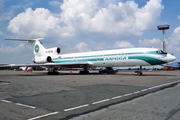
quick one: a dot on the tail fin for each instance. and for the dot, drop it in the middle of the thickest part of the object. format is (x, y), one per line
(38, 48)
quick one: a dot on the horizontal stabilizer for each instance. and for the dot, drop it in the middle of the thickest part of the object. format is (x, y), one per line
(25, 39)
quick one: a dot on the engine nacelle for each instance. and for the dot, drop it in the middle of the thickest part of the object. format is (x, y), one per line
(55, 50)
(43, 59)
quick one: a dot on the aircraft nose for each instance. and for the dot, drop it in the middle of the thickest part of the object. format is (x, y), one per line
(170, 58)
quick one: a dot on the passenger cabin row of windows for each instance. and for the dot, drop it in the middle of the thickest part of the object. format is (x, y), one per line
(97, 55)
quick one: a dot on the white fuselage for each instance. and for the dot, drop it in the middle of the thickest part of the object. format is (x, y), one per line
(117, 58)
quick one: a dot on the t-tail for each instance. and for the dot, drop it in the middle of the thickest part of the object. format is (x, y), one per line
(41, 54)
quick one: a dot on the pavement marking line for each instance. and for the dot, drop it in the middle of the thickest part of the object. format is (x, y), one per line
(116, 97)
(127, 94)
(4, 83)
(43, 116)
(100, 101)
(144, 90)
(164, 85)
(76, 107)
(136, 92)
(6, 101)
(150, 88)
(25, 105)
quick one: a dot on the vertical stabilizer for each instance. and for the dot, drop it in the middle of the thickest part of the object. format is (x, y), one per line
(38, 48)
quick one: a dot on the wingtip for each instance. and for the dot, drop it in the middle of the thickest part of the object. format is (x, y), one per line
(5, 39)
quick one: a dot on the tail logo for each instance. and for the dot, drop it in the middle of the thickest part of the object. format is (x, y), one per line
(37, 48)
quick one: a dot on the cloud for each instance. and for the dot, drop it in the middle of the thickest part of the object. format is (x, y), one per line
(174, 42)
(175, 39)
(151, 43)
(38, 23)
(8, 49)
(82, 47)
(176, 31)
(178, 17)
(55, 3)
(175, 36)
(16, 55)
(88, 16)
(123, 44)
(121, 18)
(32, 23)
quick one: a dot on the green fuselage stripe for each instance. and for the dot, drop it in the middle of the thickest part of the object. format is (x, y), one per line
(150, 60)
(135, 56)
(79, 60)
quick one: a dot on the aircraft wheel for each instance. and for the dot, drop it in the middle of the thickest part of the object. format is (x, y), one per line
(139, 73)
(83, 72)
(53, 73)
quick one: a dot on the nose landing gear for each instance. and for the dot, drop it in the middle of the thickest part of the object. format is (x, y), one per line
(139, 72)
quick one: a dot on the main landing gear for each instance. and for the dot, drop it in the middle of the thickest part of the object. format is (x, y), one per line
(52, 71)
(139, 72)
(85, 71)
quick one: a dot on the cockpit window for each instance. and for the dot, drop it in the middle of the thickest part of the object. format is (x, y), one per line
(161, 52)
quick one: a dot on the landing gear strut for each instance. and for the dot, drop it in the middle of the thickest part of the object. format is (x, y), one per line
(85, 71)
(52, 71)
(139, 72)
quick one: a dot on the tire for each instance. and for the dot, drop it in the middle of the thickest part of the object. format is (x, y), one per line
(139, 73)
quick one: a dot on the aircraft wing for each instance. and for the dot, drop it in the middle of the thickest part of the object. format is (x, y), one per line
(66, 65)
(52, 65)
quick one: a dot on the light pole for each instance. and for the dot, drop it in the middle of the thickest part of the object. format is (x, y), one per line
(163, 28)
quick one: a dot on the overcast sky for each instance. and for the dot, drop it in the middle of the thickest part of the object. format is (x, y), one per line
(86, 25)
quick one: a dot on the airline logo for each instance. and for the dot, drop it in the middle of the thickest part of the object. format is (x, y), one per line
(116, 58)
(37, 48)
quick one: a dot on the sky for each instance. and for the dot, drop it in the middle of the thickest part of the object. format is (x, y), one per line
(86, 25)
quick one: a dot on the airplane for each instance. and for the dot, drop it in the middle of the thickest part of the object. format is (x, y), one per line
(129, 57)
(172, 66)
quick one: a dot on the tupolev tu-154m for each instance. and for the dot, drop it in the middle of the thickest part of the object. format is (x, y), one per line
(53, 60)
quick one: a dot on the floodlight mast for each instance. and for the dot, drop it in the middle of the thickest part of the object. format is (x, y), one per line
(163, 28)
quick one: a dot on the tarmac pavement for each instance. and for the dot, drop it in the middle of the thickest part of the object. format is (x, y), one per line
(37, 95)
(162, 105)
